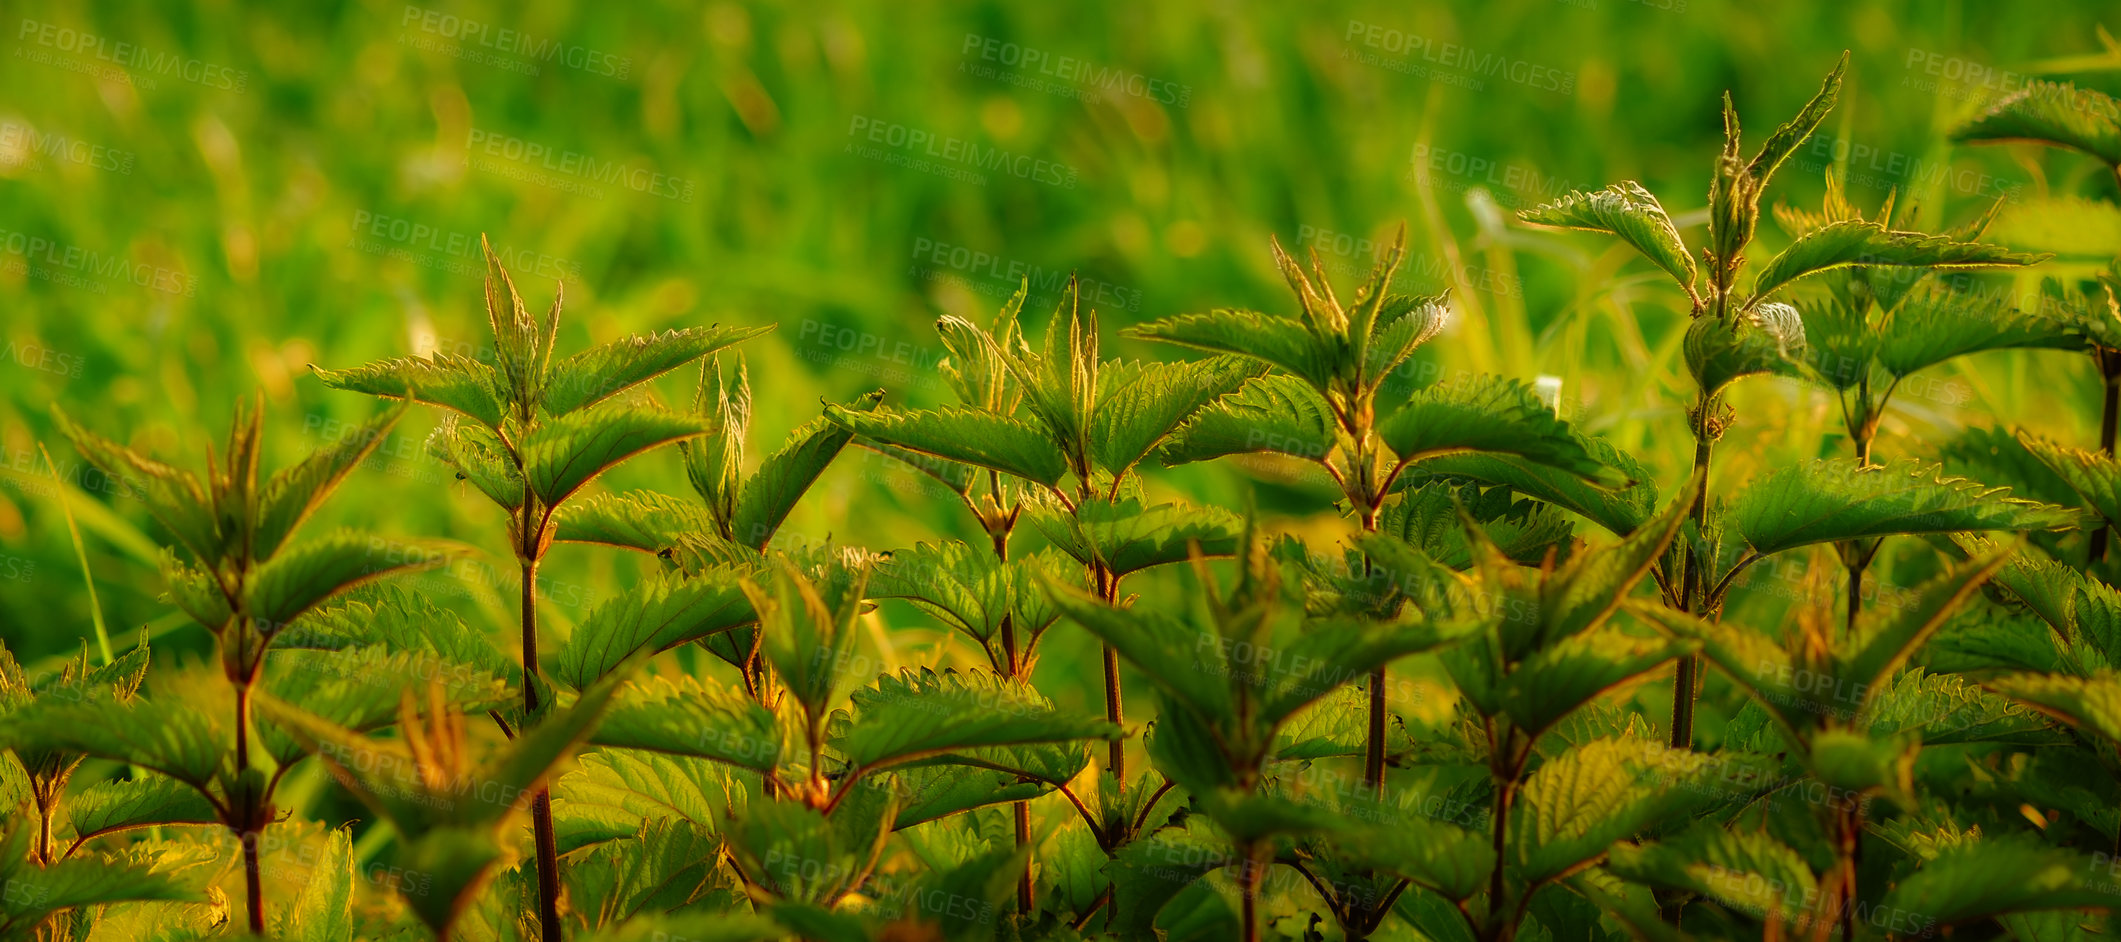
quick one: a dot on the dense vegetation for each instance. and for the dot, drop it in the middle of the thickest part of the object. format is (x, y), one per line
(1278, 623)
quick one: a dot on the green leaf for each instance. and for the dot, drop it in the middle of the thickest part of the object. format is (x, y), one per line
(1129, 537)
(969, 718)
(600, 372)
(1997, 876)
(292, 493)
(110, 807)
(1433, 854)
(1936, 326)
(1579, 804)
(1327, 656)
(362, 689)
(173, 496)
(1856, 242)
(984, 439)
(323, 910)
(642, 520)
(1747, 871)
(1948, 710)
(611, 791)
(797, 853)
(1786, 139)
(1279, 341)
(1619, 510)
(478, 455)
(667, 866)
(170, 737)
(460, 384)
(565, 453)
(661, 613)
(1279, 414)
(693, 719)
(2094, 476)
(1558, 679)
(34, 893)
(1768, 338)
(1883, 640)
(1148, 873)
(692, 927)
(295, 581)
(1140, 404)
(1487, 414)
(2061, 115)
(1831, 500)
(2092, 704)
(1588, 588)
(1172, 652)
(786, 475)
(1626, 210)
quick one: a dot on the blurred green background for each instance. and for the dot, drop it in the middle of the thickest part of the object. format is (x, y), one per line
(200, 202)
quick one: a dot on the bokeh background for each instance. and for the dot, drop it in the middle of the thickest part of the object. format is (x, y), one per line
(198, 201)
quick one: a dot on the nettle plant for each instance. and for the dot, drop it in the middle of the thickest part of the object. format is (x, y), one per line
(1947, 757)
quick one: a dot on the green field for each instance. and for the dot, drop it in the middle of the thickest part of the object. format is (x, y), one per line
(199, 203)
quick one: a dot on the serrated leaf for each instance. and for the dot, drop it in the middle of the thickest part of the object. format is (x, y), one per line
(987, 440)
(1748, 871)
(611, 791)
(1619, 510)
(174, 497)
(2058, 114)
(460, 384)
(1557, 679)
(689, 718)
(33, 893)
(1579, 804)
(1279, 414)
(1855, 242)
(323, 910)
(642, 520)
(1769, 338)
(2092, 704)
(969, 718)
(602, 371)
(1172, 652)
(1626, 210)
(1948, 710)
(1487, 414)
(171, 737)
(1140, 404)
(110, 807)
(1831, 500)
(2094, 476)
(294, 491)
(479, 456)
(1279, 341)
(1998, 876)
(1936, 326)
(666, 867)
(1784, 142)
(297, 580)
(1127, 536)
(564, 453)
(661, 613)
(785, 475)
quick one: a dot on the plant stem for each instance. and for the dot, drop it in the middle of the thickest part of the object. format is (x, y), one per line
(1499, 927)
(548, 850)
(1373, 754)
(1115, 716)
(1693, 583)
(1255, 872)
(1013, 669)
(253, 884)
